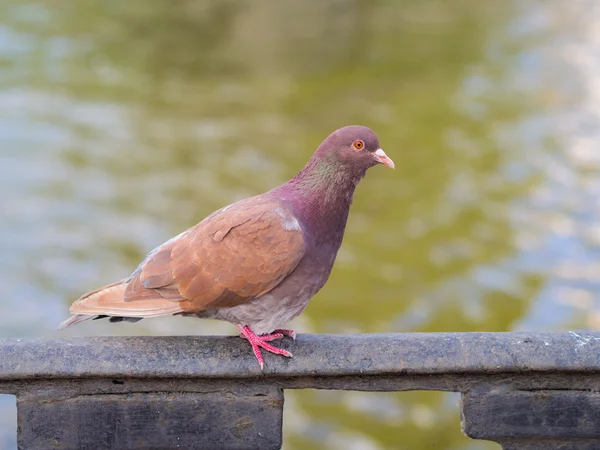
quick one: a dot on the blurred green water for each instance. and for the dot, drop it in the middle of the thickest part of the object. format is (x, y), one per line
(123, 123)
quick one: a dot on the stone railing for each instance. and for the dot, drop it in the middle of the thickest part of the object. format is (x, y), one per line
(523, 390)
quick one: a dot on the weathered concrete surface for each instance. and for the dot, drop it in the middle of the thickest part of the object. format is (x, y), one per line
(146, 421)
(545, 444)
(527, 391)
(508, 416)
(314, 355)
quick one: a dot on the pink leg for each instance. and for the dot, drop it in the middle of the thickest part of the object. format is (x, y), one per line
(258, 342)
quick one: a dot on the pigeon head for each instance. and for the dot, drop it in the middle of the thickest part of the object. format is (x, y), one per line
(353, 148)
(337, 166)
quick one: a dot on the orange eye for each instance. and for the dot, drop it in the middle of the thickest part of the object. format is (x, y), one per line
(358, 145)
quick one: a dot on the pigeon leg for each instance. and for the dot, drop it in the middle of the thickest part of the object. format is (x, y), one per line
(258, 342)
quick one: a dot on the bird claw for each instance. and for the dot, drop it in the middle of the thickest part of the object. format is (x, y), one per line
(258, 342)
(288, 333)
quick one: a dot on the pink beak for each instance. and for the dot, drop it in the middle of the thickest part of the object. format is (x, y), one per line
(382, 158)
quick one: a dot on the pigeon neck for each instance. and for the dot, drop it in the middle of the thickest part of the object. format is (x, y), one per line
(321, 195)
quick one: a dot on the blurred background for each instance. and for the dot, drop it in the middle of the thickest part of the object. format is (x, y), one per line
(124, 123)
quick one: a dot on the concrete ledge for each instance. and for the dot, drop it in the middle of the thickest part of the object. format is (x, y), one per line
(314, 355)
(523, 390)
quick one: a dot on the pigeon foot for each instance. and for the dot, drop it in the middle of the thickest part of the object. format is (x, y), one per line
(289, 333)
(258, 342)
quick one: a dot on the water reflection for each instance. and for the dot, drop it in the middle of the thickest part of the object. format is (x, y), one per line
(123, 123)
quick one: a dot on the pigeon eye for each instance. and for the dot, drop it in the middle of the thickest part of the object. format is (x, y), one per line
(358, 145)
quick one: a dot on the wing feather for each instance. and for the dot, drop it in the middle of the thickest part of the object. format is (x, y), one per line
(233, 256)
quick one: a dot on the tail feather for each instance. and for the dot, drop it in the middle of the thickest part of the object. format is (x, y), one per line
(78, 318)
(74, 320)
(110, 301)
(115, 319)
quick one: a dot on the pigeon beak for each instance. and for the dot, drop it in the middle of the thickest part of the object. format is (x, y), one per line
(382, 158)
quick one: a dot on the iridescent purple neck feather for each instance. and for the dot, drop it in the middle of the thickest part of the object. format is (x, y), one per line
(320, 195)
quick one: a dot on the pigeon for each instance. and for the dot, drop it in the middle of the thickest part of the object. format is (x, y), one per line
(255, 263)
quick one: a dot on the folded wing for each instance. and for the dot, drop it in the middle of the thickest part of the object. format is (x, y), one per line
(233, 256)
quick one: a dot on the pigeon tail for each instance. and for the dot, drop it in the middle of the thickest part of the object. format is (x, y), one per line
(74, 320)
(78, 318)
(110, 301)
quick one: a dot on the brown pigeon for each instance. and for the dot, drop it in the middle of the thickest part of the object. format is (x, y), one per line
(255, 263)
